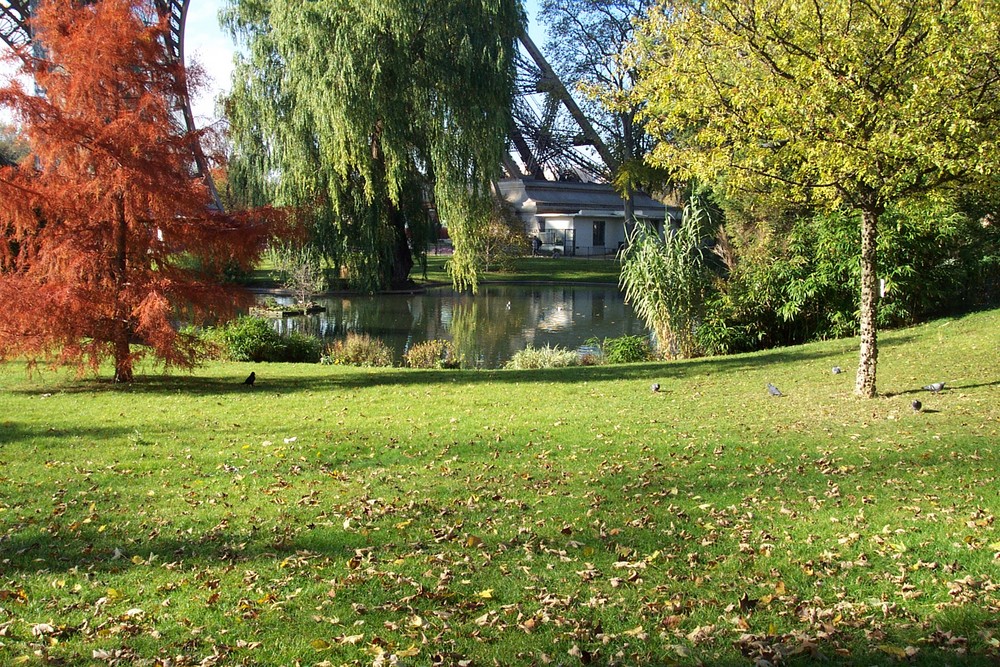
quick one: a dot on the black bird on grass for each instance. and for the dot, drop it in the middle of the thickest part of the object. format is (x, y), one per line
(916, 405)
(251, 378)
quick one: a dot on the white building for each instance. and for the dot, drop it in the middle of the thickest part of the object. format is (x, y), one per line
(572, 218)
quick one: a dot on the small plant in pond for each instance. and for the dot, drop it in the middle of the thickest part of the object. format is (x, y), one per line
(543, 357)
(300, 270)
(358, 350)
(433, 354)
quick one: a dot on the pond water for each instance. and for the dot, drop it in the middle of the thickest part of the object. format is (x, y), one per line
(487, 329)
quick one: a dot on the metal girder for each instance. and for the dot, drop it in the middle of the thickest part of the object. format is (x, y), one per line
(14, 29)
(550, 128)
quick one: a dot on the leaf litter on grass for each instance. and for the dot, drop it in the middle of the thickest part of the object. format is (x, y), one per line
(690, 530)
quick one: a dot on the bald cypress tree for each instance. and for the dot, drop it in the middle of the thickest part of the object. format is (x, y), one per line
(106, 239)
(370, 115)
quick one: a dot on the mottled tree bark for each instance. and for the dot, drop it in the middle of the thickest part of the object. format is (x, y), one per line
(865, 382)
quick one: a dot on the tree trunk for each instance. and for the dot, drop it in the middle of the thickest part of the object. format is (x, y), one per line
(120, 329)
(402, 257)
(864, 385)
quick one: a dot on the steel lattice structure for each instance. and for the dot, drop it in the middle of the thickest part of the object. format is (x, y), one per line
(551, 137)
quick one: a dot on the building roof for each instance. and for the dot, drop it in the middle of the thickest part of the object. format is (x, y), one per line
(573, 198)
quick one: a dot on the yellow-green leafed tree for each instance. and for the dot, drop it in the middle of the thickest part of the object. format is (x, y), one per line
(841, 103)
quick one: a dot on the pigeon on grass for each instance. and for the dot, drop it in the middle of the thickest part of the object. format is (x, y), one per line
(773, 391)
(655, 387)
(916, 405)
(837, 370)
(934, 387)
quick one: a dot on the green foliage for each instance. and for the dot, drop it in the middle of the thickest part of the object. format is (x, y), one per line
(254, 339)
(627, 350)
(358, 350)
(501, 240)
(433, 354)
(839, 104)
(357, 111)
(300, 348)
(796, 283)
(250, 339)
(665, 280)
(542, 357)
(13, 146)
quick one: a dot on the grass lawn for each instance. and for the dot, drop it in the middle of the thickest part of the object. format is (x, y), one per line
(374, 517)
(526, 269)
(535, 269)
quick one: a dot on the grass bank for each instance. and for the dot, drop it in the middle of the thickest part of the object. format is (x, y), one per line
(358, 516)
(536, 269)
(525, 269)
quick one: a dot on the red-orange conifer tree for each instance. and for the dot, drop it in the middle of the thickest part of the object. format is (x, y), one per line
(105, 234)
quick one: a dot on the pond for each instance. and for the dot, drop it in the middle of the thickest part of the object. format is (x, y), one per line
(487, 329)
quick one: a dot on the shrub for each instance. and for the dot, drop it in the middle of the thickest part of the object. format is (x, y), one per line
(543, 357)
(301, 348)
(433, 354)
(251, 339)
(358, 350)
(627, 350)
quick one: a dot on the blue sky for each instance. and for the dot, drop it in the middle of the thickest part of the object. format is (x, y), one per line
(208, 45)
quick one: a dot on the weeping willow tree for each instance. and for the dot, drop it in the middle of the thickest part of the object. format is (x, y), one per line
(367, 115)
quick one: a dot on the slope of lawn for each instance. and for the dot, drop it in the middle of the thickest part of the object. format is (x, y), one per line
(361, 516)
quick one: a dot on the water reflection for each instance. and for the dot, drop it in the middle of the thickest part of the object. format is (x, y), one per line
(487, 328)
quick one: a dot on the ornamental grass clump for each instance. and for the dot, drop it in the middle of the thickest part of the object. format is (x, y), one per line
(358, 350)
(433, 354)
(543, 357)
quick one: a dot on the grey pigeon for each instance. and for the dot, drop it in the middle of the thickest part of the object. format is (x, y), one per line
(655, 387)
(836, 370)
(916, 405)
(251, 378)
(935, 387)
(773, 391)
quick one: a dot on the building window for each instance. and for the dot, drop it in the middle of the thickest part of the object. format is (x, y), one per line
(541, 226)
(598, 233)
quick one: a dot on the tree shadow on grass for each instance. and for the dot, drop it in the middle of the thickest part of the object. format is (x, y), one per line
(12, 431)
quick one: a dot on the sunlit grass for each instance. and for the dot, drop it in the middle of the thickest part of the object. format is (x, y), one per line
(338, 515)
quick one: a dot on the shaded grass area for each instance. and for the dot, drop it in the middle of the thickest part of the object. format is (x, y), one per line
(351, 516)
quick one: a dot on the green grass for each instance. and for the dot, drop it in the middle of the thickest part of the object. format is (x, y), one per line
(536, 269)
(526, 269)
(346, 516)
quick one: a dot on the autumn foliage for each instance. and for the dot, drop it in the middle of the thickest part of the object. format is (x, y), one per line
(108, 237)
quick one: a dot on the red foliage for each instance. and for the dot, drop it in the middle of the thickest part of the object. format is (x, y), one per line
(109, 237)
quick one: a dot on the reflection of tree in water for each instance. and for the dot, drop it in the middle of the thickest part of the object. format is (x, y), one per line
(483, 328)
